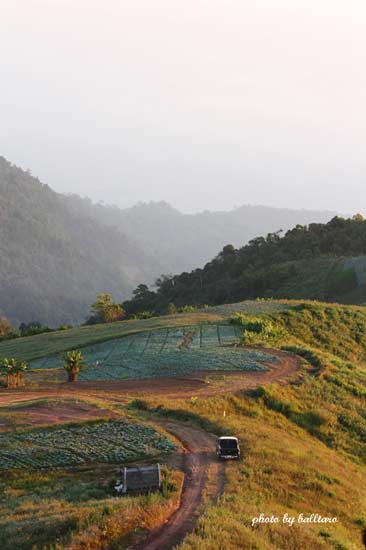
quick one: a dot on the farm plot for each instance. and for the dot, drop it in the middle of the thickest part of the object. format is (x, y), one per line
(112, 441)
(166, 352)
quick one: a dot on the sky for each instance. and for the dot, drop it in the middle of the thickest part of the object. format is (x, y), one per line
(206, 104)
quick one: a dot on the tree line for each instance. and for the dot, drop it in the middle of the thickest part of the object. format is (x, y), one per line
(278, 265)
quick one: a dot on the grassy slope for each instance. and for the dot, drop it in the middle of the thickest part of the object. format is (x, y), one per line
(303, 443)
(40, 345)
(283, 469)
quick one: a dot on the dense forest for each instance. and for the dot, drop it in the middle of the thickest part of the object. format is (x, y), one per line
(306, 262)
(53, 261)
(59, 252)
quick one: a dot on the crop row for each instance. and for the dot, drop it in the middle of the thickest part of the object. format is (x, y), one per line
(154, 341)
(112, 441)
(166, 352)
(177, 363)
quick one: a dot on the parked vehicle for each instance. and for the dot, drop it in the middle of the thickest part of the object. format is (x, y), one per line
(228, 447)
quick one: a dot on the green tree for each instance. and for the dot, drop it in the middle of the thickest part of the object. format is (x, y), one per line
(5, 327)
(73, 364)
(105, 309)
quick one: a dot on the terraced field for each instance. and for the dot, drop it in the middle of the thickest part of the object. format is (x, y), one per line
(113, 441)
(166, 352)
(40, 345)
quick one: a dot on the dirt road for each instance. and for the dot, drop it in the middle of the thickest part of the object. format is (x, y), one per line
(200, 384)
(198, 457)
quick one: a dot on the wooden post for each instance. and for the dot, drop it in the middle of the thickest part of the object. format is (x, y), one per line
(125, 480)
(159, 475)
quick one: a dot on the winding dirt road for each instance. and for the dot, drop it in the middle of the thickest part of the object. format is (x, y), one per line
(200, 384)
(198, 457)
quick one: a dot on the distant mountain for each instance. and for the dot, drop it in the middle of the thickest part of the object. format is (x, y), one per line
(181, 242)
(58, 252)
(320, 261)
(54, 261)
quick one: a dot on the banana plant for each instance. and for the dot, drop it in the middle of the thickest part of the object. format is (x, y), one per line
(13, 370)
(73, 364)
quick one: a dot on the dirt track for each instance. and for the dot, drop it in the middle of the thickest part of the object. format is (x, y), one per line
(200, 384)
(199, 455)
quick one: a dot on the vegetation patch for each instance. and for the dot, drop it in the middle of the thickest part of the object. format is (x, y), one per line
(113, 441)
(258, 330)
(77, 509)
(167, 352)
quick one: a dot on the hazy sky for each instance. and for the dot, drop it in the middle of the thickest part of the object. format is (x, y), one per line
(203, 103)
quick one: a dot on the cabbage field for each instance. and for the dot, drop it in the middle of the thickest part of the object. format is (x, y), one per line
(166, 352)
(113, 441)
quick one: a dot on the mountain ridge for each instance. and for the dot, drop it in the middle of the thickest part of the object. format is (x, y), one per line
(59, 251)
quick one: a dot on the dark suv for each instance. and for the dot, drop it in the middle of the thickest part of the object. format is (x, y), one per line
(228, 447)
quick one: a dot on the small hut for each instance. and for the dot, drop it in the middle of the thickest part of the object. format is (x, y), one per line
(140, 480)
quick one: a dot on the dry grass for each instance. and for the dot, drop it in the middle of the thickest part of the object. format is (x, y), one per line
(76, 509)
(283, 469)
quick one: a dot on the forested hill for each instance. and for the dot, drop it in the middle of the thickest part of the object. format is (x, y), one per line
(54, 261)
(181, 242)
(319, 261)
(58, 252)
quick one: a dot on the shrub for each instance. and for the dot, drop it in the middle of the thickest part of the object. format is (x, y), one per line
(30, 329)
(258, 330)
(144, 315)
(187, 309)
(171, 309)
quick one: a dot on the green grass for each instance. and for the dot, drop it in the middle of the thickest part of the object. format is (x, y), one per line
(333, 328)
(250, 307)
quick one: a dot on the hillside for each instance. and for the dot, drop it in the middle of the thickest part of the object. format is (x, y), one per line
(58, 252)
(301, 436)
(318, 262)
(53, 261)
(180, 242)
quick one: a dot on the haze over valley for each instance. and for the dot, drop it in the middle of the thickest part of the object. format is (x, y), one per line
(58, 252)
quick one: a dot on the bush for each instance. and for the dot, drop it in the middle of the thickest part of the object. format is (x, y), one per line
(30, 329)
(187, 309)
(258, 330)
(144, 315)
(171, 309)
(310, 356)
